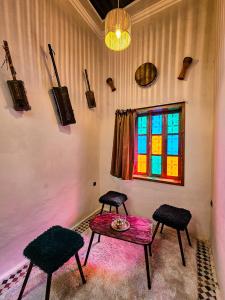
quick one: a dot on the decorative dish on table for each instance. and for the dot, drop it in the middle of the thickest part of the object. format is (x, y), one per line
(120, 224)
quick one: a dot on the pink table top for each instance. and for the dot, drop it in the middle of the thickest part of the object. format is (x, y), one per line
(140, 231)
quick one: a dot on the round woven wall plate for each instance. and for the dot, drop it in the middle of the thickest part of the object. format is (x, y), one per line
(146, 74)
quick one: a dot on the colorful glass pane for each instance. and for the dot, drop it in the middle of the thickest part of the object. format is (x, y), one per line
(172, 144)
(142, 144)
(142, 125)
(142, 164)
(156, 144)
(172, 166)
(157, 124)
(156, 165)
(173, 123)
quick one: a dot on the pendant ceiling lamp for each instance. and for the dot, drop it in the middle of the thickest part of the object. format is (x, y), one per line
(117, 29)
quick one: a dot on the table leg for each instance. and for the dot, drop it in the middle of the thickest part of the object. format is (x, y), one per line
(147, 266)
(99, 237)
(89, 248)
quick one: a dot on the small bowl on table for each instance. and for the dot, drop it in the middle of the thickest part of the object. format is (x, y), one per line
(120, 224)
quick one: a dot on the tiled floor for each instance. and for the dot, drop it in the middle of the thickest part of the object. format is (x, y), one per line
(12, 279)
(206, 282)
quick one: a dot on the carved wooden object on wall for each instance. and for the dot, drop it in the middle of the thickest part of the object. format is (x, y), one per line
(186, 64)
(61, 96)
(16, 87)
(146, 74)
(110, 82)
(89, 94)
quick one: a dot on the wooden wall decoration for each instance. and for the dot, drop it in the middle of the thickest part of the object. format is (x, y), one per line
(110, 82)
(186, 64)
(89, 94)
(16, 87)
(146, 74)
(61, 96)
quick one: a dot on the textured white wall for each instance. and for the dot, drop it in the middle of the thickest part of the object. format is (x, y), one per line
(165, 39)
(218, 213)
(46, 170)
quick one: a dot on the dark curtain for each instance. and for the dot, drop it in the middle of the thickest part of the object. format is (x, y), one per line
(123, 144)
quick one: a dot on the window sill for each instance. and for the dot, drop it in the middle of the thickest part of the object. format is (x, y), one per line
(160, 180)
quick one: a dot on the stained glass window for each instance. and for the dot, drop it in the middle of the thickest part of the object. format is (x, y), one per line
(142, 144)
(172, 166)
(156, 144)
(142, 125)
(173, 123)
(157, 124)
(160, 144)
(172, 144)
(156, 165)
(142, 163)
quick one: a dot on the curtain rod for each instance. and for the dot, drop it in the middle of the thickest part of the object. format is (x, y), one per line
(159, 105)
(149, 107)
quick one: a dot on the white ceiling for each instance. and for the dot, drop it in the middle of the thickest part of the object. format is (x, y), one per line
(138, 10)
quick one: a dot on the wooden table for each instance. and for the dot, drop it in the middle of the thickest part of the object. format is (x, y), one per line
(140, 232)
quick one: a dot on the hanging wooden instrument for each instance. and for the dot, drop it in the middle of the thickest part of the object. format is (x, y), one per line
(16, 87)
(89, 94)
(61, 96)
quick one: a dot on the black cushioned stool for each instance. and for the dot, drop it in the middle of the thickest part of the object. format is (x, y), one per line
(50, 250)
(177, 218)
(115, 199)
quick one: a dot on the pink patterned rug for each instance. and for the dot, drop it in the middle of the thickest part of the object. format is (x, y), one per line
(116, 270)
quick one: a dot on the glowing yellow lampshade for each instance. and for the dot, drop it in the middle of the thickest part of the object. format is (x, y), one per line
(117, 29)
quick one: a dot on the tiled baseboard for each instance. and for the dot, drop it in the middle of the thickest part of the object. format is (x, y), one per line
(207, 283)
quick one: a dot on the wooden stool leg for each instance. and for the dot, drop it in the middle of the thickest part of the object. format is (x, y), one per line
(162, 228)
(102, 209)
(155, 231)
(188, 237)
(181, 248)
(147, 266)
(80, 268)
(48, 287)
(117, 210)
(89, 247)
(125, 209)
(25, 281)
